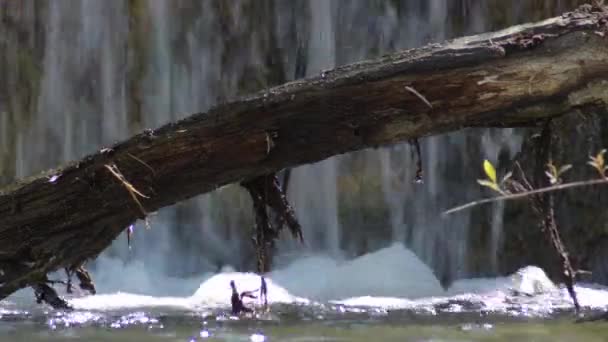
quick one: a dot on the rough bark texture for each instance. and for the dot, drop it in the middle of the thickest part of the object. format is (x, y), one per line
(513, 77)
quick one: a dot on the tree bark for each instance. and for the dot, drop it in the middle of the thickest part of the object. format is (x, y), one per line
(519, 76)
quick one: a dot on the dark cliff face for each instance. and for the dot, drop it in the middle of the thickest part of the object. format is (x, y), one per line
(580, 213)
(80, 75)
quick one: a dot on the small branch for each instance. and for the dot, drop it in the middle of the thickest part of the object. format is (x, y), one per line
(86, 283)
(420, 96)
(45, 293)
(520, 195)
(68, 283)
(524, 179)
(142, 163)
(279, 220)
(543, 204)
(416, 144)
(130, 188)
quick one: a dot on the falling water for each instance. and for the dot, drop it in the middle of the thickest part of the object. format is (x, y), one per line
(493, 145)
(82, 99)
(313, 189)
(193, 55)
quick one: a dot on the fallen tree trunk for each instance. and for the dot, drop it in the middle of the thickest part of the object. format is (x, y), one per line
(514, 77)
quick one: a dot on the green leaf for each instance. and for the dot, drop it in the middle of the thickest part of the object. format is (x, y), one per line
(490, 170)
(598, 162)
(552, 170)
(593, 163)
(600, 159)
(551, 177)
(489, 184)
(563, 169)
(506, 177)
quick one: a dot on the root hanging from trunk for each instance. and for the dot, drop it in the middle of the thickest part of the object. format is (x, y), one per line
(46, 293)
(86, 282)
(279, 220)
(416, 144)
(266, 193)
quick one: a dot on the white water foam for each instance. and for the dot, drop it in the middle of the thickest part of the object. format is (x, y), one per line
(393, 271)
(215, 292)
(120, 300)
(391, 278)
(527, 292)
(113, 275)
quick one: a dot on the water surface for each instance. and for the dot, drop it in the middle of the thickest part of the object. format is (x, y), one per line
(357, 300)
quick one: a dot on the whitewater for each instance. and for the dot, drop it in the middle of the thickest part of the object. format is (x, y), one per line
(392, 278)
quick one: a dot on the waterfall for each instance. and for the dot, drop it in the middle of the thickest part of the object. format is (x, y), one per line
(112, 68)
(313, 191)
(81, 104)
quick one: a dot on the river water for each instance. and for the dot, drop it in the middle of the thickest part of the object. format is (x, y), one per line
(388, 295)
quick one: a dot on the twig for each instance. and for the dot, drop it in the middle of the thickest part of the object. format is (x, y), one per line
(523, 177)
(420, 96)
(279, 220)
(86, 283)
(130, 188)
(45, 293)
(544, 206)
(142, 162)
(519, 195)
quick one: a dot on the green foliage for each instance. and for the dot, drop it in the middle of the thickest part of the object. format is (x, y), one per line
(554, 173)
(490, 170)
(599, 163)
(492, 180)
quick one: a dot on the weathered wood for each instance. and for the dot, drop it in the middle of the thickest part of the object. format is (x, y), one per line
(514, 77)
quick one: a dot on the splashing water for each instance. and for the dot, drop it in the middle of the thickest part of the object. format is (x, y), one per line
(374, 290)
(391, 278)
